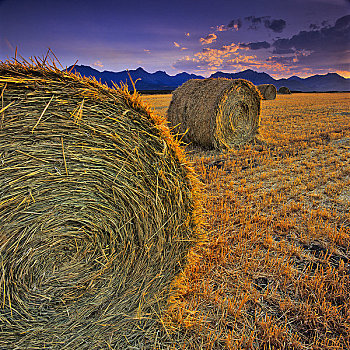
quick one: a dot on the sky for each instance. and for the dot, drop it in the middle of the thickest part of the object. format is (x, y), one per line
(281, 38)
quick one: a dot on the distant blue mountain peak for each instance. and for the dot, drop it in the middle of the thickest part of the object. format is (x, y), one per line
(160, 80)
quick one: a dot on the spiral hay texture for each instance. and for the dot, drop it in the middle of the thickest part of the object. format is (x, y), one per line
(216, 113)
(284, 90)
(267, 91)
(96, 213)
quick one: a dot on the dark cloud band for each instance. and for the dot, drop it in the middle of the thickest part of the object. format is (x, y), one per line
(235, 23)
(276, 25)
(257, 45)
(328, 38)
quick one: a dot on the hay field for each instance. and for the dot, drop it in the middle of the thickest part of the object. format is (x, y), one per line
(274, 272)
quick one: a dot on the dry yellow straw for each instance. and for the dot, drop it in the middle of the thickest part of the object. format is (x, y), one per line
(87, 255)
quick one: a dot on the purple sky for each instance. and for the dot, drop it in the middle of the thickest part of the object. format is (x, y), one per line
(281, 38)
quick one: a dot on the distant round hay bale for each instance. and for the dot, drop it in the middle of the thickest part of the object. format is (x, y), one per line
(284, 90)
(97, 213)
(268, 91)
(216, 113)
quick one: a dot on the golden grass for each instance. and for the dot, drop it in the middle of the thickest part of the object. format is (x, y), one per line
(274, 272)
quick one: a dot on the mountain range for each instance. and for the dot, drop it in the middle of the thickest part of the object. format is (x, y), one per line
(160, 80)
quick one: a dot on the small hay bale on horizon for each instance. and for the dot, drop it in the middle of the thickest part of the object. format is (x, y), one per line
(97, 213)
(268, 91)
(284, 90)
(216, 113)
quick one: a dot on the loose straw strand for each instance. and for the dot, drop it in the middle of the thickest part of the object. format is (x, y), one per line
(47, 106)
(64, 157)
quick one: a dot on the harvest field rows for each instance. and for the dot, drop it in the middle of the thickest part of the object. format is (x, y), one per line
(274, 270)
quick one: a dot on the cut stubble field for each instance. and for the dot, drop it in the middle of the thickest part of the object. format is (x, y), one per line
(274, 269)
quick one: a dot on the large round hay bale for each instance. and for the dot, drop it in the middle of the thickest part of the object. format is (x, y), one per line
(284, 90)
(97, 213)
(216, 113)
(268, 91)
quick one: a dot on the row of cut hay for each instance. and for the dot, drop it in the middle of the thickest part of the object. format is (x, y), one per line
(216, 113)
(97, 213)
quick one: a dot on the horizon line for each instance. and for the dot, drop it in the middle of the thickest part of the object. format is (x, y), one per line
(198, 74)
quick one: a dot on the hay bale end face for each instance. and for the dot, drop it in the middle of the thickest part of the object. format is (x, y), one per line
(284, 90)
(216, 113)
(267, 91)
(97, 213)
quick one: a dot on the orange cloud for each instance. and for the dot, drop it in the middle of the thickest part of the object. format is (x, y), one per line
(179, 46)
(236, 27)
(98, 64)
(221, 28)
(210, 38)
(209, 60)
(217, 55)
(232, 58)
